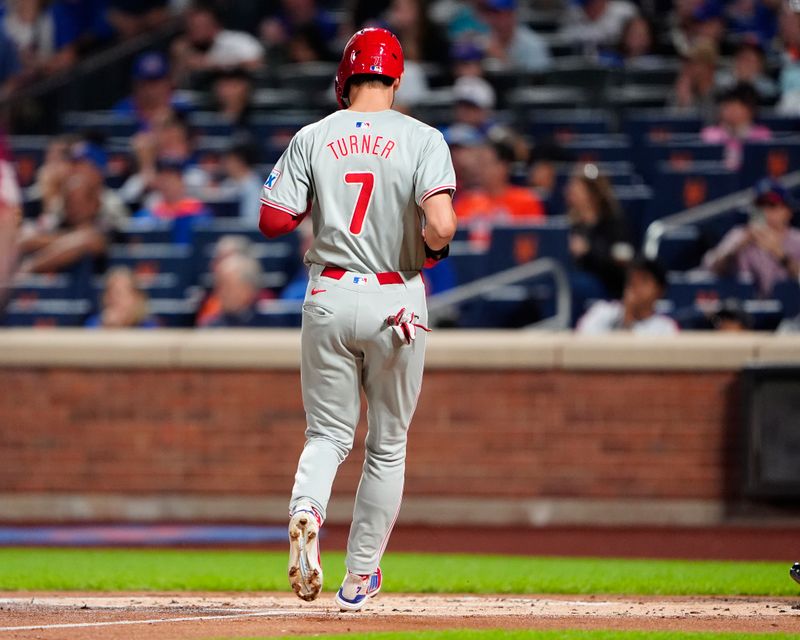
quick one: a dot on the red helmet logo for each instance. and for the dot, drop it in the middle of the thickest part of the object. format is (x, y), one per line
(375, 51)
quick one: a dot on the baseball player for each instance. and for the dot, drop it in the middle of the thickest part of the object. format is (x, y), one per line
(378, 187)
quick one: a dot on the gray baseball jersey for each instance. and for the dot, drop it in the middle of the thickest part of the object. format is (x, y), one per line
(365, 176)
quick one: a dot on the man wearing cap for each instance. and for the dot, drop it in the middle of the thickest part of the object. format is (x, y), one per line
(513, 43)
(767, 249)
(153, 100)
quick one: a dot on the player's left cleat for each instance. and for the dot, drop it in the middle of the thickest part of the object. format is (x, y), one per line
(357, 589)
(795, 572)
(305, 566)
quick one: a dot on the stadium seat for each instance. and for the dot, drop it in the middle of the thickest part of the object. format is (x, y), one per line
(564, 124)
(47, 313)
(149, 260)
(659, 124)
(679, 152)
(174, 313)
(599, 148)
(109, 123)
(773, 158)
(512, 245)
(681, 188)
(697, 287)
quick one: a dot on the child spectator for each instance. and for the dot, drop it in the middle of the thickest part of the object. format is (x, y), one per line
(767, 250)
(124, 304)
(636, 312)
(737, 111)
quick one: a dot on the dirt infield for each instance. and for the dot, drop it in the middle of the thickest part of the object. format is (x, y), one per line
(228, 615)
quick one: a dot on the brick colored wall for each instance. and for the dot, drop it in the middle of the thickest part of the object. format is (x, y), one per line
(476, 433)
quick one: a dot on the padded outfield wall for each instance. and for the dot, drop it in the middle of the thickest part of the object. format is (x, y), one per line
(511, 427)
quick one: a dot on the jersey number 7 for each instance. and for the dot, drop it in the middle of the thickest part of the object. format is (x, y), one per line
(367, 181)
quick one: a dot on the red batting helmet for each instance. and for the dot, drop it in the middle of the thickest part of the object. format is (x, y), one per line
(374, 51)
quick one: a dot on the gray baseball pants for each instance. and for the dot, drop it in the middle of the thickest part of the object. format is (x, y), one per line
(347, 346)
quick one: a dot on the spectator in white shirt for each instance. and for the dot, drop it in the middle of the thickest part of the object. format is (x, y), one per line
(636, 312)
(207, 46)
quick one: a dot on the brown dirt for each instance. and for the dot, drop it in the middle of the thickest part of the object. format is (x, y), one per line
(228, 615)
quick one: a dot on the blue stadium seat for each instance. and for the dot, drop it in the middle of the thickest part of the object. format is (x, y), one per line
(682, 188)
(144, 231)
(149, 260)
(599, 148)
(680, 248)
(223, 208)
(648, 125)
(772, 158)
(788, 293)
(468, 262)
(513, 245)
(174, 313)
(565, 124)
(688, 289)
(46, 313)
(634, 201)
(110, 123)
(681, 153)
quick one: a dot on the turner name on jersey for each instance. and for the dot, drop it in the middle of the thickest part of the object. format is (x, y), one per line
(361, 144)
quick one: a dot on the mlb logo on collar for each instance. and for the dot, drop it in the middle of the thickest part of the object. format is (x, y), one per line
(272, 179)
(363, 125)
(359, 280)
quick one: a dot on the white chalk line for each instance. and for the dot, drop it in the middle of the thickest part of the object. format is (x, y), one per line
(112, 623)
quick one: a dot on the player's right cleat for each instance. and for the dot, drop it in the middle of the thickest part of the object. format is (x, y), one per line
(305, 567)
(357, 589)
(795, 572)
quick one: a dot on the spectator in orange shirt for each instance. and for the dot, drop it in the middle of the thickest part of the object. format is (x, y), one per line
(495, 198)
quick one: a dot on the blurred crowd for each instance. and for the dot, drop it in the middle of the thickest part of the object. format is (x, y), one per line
(735, 57)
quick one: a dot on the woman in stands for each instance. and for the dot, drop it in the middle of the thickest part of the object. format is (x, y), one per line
(124, 304)
(598, 239)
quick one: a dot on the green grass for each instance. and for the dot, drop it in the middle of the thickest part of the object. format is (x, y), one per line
(491, 634)
(134, 570)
